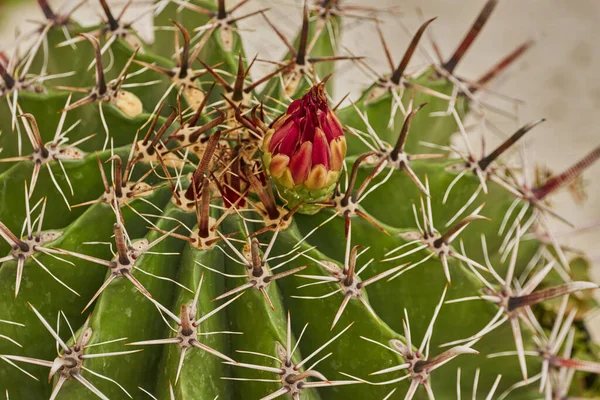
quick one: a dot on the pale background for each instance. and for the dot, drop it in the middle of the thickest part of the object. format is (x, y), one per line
(558, 78)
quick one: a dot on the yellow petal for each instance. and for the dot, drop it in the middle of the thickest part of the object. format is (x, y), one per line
(338, 153)
(267, 140)
(317, 178)
(278, 165)
(286, 179)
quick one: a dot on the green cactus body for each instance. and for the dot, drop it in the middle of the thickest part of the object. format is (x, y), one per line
(244, 242)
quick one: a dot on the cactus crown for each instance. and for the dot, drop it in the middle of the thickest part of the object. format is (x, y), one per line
(250, 239)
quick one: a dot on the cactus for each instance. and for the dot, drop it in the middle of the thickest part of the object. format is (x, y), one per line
(174, 230)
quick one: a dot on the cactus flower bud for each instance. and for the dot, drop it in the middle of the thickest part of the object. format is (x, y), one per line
(305, 150)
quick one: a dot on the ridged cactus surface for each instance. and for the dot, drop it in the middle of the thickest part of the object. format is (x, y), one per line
(174, 229)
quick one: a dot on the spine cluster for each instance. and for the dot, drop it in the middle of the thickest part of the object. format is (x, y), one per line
(199, 234)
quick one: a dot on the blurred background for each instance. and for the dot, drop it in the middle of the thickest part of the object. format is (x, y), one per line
(558, 78)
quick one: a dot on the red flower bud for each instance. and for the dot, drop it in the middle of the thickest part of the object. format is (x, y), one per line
(305, 150)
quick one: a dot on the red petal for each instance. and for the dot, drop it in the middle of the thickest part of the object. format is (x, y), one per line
(279, 135)
(290, 141)
(331, 126)
(308, 131)
(294, 106)
(280, 121)
(300, 164)
(320, 153)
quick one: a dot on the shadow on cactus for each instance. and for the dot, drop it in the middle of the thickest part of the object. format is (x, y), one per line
(173, 229)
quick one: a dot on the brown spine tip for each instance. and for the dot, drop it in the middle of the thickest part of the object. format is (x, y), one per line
(502, 65)
(293, 211)
(548, 294)
(39, 143)
(100, 80)
(184, 63)
(329, 3)
(201, 170)
(161, 161)
(398, 72)
(9, 81)
(281, 36)
(47, 10)
(153, 124)
(447, 237)
(204, 220)
(221, 10)
(470, 37)
(266, 197)
(303, 44)
(399, 148)
(184, 316)
(102, 175)
(170, 119)
(256, 258)
(233, 20)
(207, 127)
(238, 86)
(281, 70)
(487, 160)
(578, 365)
(118, 176)
(112, 22)
(127, 171)
(121, 244)
(351, 267)
(217, 77)
(10, 237)
(567, 176)
(231, 190)
(354, 174)
(194, 120)
(442, 358)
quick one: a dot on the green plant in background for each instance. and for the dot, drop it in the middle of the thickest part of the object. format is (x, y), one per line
(174, 230)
